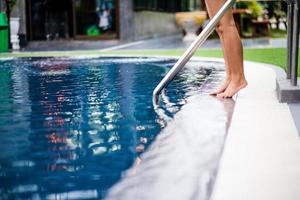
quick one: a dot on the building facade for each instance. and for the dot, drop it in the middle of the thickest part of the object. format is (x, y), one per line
(98, 19)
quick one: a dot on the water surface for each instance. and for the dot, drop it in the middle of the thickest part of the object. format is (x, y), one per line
(69, 128)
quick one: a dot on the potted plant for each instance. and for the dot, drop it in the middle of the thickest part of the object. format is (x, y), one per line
(254, 7)
(257, 21)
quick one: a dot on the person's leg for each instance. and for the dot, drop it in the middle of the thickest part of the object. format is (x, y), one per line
(232, 50)
(211, 13)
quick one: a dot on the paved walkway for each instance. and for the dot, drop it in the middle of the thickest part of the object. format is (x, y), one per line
(69, 45)
(168, 42)
(175, 42)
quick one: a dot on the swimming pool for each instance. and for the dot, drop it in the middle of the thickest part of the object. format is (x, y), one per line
(71, 127)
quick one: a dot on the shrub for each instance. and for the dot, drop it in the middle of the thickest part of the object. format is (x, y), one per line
(255, 8)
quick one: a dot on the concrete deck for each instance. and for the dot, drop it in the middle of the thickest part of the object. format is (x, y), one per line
(261, 157)
(67, 45)
(175, 42)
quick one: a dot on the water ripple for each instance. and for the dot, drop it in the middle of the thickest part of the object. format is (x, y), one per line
(71, 127)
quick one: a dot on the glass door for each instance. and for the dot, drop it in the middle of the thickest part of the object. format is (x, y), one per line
(49, 19)
(95, 19)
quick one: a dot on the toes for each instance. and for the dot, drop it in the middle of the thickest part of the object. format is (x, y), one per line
(214, 93)
(222, 89)
(224, 95)
(220, 95)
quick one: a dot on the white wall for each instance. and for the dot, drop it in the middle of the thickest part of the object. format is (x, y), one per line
(149, 24)
(19, 11)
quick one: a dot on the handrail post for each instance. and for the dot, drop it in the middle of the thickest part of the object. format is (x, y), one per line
(294, 66)
(191, 50)
(290, 10)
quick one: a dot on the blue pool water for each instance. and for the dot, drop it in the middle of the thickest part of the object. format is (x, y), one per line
(69, 127)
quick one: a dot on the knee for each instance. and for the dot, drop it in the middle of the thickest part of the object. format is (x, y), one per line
(221, 27)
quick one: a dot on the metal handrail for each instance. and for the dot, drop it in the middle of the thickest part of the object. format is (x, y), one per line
(209, 28)
(293, 40)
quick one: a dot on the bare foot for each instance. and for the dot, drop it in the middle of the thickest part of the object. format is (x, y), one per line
(222, 88)
(233, 88)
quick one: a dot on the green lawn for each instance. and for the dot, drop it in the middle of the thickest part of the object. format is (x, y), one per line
(275, 56)
(278, 33)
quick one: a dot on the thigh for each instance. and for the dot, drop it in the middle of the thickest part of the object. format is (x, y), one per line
(213, 7)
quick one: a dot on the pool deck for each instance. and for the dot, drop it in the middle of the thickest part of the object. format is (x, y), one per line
(175, 42)
(261, 156)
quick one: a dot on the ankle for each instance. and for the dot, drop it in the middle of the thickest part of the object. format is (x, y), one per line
(239, 79)
(227, 79)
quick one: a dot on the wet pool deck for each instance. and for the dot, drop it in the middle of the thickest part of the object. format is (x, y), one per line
(261, 156)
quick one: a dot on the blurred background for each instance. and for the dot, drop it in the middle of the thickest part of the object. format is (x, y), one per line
(129, 20)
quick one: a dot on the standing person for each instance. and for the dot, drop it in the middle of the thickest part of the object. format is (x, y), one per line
(232, 51)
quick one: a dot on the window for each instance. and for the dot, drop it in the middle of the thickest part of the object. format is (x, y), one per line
(167, 5)
(63, 19)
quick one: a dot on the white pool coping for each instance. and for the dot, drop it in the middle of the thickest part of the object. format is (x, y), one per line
(261, 158)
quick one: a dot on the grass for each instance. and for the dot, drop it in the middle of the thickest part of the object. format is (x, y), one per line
(277, 33)
(275, 56)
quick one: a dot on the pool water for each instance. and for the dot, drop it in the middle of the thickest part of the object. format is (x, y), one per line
(70, 127)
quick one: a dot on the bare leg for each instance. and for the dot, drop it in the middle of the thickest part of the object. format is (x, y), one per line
(232, 50)
(228, 73)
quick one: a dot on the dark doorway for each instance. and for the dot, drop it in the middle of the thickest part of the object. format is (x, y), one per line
(96, 19)
(50, 19)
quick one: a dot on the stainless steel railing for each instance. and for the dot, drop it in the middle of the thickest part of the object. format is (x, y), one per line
(293, 40)
(209, 28)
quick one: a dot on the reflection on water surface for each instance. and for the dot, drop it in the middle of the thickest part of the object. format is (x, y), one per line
(70, 127)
